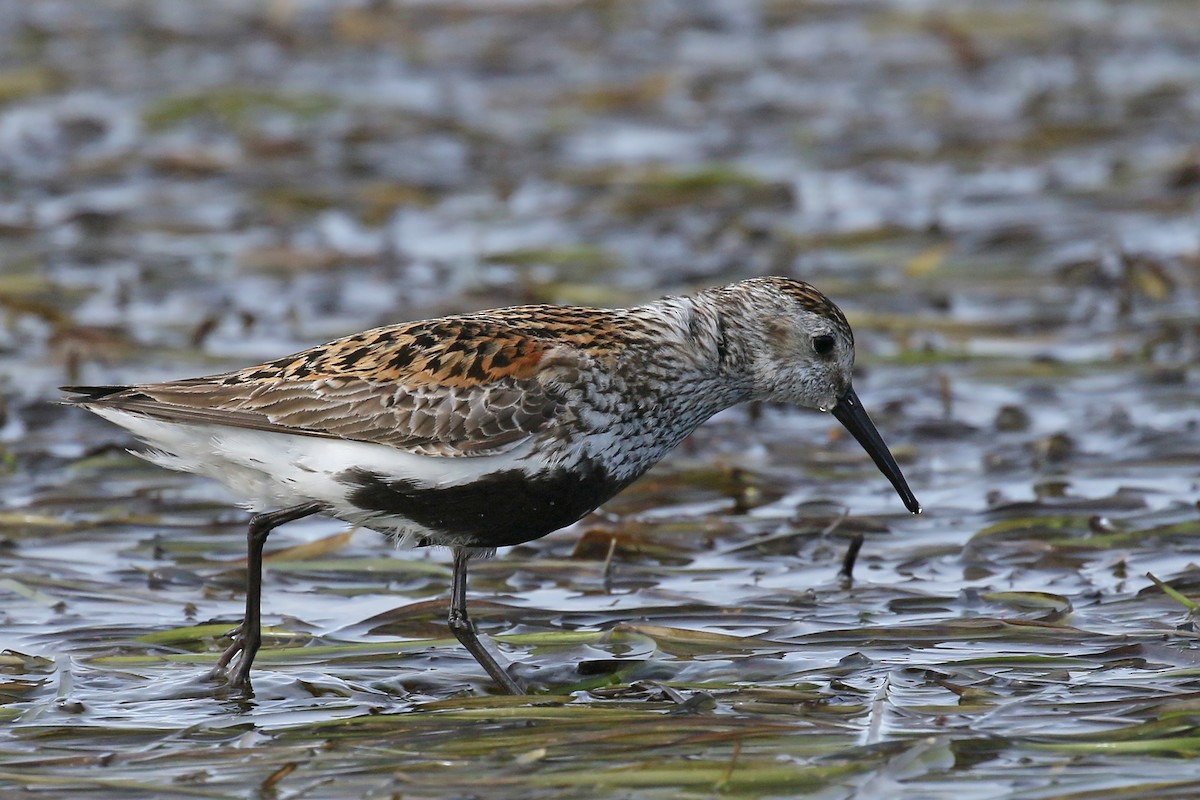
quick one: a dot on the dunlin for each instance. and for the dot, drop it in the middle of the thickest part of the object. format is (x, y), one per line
(489, 429)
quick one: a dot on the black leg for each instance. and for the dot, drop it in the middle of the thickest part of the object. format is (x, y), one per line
(247, 637)
(464, 629)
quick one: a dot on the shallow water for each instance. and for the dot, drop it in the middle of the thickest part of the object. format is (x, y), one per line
(1003, 198)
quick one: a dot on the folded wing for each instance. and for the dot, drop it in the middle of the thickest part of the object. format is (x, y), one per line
(450, 387)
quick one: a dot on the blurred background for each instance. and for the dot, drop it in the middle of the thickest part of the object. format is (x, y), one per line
(1004, 197)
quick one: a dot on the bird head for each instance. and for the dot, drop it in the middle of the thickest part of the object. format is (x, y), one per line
(800, 350)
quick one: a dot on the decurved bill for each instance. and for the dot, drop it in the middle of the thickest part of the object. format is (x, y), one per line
(849, 412)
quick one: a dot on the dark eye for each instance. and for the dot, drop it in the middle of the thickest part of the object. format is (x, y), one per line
(823, 344)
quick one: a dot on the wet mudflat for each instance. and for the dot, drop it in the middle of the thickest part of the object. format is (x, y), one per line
(1005, 198)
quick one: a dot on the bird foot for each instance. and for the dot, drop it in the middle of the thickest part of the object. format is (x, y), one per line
(238, 676)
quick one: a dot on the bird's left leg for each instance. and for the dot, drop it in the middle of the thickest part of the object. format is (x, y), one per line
(464, 629)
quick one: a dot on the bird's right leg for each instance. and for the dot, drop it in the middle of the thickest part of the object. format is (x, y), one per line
(247, 637)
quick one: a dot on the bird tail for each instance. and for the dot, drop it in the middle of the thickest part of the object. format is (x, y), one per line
(89, 394)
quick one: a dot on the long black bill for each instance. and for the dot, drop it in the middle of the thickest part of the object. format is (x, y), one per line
(850, 412)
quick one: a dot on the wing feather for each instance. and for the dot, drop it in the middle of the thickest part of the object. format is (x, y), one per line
(434, 388)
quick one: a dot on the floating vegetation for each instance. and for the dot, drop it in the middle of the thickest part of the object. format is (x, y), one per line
(233, 105)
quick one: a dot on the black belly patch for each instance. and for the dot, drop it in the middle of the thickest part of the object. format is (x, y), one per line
(500, 509)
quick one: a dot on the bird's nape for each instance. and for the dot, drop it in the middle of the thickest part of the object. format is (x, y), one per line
(850, 412)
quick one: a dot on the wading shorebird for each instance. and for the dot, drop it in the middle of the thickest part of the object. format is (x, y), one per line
(490, 429)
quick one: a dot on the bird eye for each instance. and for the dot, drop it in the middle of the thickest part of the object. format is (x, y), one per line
(823, 344)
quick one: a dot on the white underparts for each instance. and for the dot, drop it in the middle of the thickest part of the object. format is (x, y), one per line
(270, 470)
